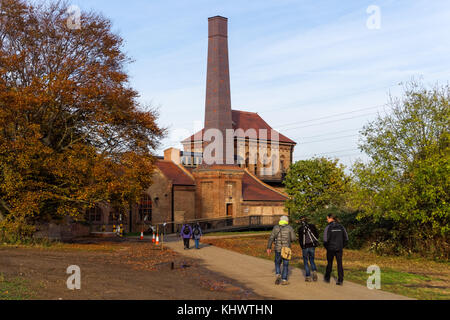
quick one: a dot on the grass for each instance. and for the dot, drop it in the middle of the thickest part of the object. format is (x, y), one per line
(57, 245)
(232, 233)
(15, 289)
(413, 277)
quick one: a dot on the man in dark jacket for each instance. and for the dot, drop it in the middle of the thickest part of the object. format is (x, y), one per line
(308, 238)
(335, 238)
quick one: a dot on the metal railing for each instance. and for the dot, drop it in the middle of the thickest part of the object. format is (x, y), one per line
(222, 223)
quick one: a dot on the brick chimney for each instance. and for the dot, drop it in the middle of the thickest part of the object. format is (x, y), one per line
(218, 100)
(172, 154)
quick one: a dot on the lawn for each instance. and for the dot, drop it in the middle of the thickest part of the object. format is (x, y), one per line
(213, 234)
(409, 276)
(15, 289)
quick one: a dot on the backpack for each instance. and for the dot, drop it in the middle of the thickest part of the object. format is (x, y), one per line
(336, 240)
(186, 230)
(196, 231)
(308, 236)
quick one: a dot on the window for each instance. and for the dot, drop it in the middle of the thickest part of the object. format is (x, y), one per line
(145, 208)
(282, 167)
(117, 215)
(230, 190)
(94, 214)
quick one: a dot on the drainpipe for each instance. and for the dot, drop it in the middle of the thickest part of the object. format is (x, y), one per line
(172, 210)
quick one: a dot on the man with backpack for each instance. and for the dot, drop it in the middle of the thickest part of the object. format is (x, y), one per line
(308, 239)
(282, 235)
(196, 235)
(186, 234)
(335, 238)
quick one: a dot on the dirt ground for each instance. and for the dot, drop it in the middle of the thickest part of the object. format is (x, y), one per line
(116, 270)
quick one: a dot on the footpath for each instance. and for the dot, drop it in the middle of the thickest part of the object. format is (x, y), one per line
(259, 275)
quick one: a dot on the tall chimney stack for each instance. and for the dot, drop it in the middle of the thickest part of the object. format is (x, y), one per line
(218, 100)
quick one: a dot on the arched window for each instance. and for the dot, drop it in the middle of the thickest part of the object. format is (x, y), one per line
(282, 164)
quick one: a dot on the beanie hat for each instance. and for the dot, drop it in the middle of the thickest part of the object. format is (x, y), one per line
(283, 220)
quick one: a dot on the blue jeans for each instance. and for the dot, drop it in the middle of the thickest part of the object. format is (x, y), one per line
(196, 243)
(308, 255)
(278, 261)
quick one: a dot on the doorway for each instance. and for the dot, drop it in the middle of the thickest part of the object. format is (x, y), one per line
(229, 214)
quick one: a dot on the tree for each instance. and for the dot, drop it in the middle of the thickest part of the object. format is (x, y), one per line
(314, 185)
(406, 180)
(72, 131)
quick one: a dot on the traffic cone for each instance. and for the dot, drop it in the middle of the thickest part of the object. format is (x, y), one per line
(157, 239)
(153, 239)
(142, 235)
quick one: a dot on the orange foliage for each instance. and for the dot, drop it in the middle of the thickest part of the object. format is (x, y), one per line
(71, 130)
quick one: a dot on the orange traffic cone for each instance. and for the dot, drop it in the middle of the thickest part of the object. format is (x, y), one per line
(157, 239)
(142, 235)
(153, 239)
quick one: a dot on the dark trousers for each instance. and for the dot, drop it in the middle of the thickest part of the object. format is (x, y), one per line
(186, 242)
(330, 257)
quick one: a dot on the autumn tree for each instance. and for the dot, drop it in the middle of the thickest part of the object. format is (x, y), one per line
(406, 182)
(72, 132)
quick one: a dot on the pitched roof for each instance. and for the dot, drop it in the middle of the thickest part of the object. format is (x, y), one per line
(174, 173)
(246, 120)
(254, 189)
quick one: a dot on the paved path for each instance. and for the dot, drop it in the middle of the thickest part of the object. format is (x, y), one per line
(259, 275)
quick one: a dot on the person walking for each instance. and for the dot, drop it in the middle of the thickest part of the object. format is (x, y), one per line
(308, 239)
(335, 238)
(186, 234)
(283, 235)
(196, 235)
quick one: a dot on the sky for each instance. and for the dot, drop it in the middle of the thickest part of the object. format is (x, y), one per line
(317, 71)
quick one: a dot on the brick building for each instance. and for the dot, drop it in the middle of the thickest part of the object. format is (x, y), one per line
(185, 187)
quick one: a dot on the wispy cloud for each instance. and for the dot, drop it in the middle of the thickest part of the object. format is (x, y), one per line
(289, 60)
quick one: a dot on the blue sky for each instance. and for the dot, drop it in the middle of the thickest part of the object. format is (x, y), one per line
(291, 61)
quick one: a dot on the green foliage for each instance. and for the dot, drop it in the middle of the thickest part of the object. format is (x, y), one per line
(406, 182)
(315, 184)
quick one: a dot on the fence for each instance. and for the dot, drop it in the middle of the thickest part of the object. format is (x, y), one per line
(223, 223)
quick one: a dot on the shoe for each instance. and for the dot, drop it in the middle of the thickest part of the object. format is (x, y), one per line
(326, 280)
(339, 283)
(284, 282)
(315, 276)
(308, 279)
(278, 279)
